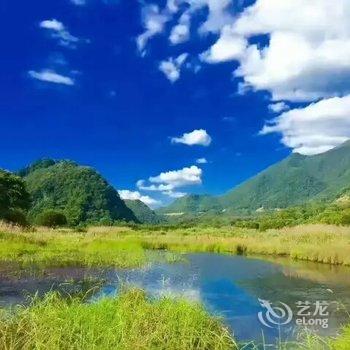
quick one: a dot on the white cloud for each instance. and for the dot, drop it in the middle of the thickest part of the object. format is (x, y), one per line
(168, 182)
(196, 137)
(51, 77)
(303, 57)
(278, 107)
(135, 195)
(229, 46)
(307, 54)
(59, 32)
(181, 32)
(201, 161)
(314, 129)
(52, 24)
(172, 67)
(141, 184)
(179, 178)
(174, 194)
(218, 14)
(153, 21)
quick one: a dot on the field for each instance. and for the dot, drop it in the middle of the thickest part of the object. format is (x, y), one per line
(131, 246)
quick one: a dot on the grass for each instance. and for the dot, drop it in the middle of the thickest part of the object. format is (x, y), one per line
(129, 246)
(131, 321)
(59, 248)
(128, 321)
(317, 243)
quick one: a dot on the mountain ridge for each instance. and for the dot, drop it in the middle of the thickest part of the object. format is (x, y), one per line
(295, 180)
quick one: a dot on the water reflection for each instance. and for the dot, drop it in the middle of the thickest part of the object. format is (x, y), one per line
(228, 286)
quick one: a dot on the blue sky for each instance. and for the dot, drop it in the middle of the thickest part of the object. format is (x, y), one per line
(117, 85)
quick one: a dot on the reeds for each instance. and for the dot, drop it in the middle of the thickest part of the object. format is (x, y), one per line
(129, 321)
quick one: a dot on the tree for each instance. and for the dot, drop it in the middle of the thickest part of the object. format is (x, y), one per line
(51, 218)
(14, 197)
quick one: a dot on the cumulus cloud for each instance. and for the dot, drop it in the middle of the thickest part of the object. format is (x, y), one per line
(201, 161)
(136, 195)
(218, 14)
(314, 129)
(58, 31)
(168, 182)
(172, 67)
(278, 107)
(196, 137)
(303, 57)
(229, 46)
(180, 33)
(302, 62)
(179, 178)
(153, 21)
(174, 194)
(51, 77)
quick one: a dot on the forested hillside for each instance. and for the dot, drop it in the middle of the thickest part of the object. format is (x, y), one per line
(77, 191)
(142, 212)
(296, 180)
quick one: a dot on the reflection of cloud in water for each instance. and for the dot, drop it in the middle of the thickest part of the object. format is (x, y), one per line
(166, 288)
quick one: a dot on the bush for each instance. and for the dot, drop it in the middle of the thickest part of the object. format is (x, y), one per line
(345, 218)
(51, 218)
(13, 198)
(17, 217)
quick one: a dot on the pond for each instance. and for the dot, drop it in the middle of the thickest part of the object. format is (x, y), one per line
(255, 297)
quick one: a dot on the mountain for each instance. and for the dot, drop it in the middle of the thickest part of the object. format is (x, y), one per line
(142, 212)
(293, 181)
(193, 203)
(80, 192)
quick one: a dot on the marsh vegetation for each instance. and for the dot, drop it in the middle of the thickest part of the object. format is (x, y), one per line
(131, 319)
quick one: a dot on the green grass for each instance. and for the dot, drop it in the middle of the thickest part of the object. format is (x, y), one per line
(66, 249)
(128, 321)
(130, 246)
(342, 342)
(317, 243)
(131, 321)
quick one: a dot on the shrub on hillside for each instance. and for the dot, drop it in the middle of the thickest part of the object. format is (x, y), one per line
(14, 198)
(51, 218)
(17, 217)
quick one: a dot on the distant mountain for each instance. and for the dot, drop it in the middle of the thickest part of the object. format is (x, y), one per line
(192, 203)
(79, 191)
(293, 181)
(142, 212)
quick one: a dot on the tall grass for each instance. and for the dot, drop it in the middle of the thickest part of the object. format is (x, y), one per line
(68, 249)
(129, 321)
(317, 243)
(126, 247)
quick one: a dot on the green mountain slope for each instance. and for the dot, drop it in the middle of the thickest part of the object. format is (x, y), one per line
(79, 191)
(293, 181)
(193, 203)
(142, 212)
